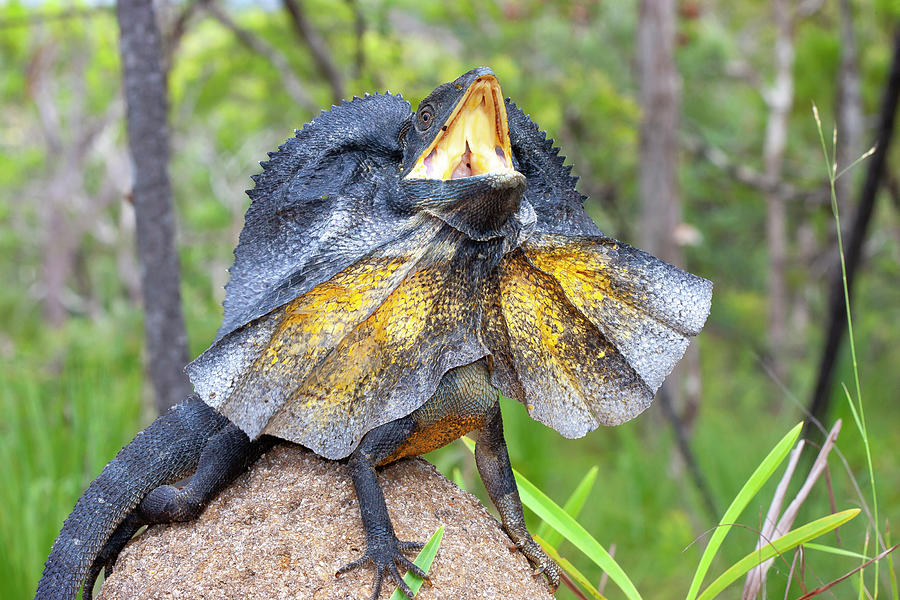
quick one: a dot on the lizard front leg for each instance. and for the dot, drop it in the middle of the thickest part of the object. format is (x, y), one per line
(492, 459)
(383, 549)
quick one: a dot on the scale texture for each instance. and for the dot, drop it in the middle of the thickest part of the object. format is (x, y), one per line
(347, 303)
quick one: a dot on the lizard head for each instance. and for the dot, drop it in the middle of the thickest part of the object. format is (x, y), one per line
(458, 161)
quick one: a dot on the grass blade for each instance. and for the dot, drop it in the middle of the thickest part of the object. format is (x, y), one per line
(570, 569)
(572, 531)
(831, 584)
(548, 510)
(789, 540)
(572, 506)
(458, 478)
(423, 561)
(891, 572)
(837, 551)
(858, 410)
(751, 487)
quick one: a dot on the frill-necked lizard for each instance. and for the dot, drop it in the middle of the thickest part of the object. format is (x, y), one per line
(395, 271)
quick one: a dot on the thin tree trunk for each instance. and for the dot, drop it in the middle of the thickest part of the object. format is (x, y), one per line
(317, 47)
(780, 98)
(660, 98)
(148, 142)
(837, 313)
(660, 202)
(659, 194)
(59, 257)
(849, 107)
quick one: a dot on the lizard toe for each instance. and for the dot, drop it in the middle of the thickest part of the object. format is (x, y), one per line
(542, 563)
(386, 557)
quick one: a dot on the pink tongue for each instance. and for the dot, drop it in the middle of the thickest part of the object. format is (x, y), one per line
(464, 168)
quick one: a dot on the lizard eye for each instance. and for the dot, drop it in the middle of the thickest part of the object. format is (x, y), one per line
(426, 118)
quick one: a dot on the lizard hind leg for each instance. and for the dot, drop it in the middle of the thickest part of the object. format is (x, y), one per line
(492, 460)
(461, 403)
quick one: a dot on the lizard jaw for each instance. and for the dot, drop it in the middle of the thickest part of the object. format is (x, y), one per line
(473, 141)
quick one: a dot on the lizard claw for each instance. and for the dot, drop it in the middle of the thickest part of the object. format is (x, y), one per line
(386, 557)
(543, 564)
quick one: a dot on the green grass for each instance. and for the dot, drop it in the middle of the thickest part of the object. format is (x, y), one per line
(855, 405)
(70, 399)
(68, 402)
(423, 561)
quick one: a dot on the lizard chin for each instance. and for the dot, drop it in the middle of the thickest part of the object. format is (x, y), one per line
(480, 206)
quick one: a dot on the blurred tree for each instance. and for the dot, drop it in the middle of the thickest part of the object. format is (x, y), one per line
(260, 46)
(317, 48)
(660, 107)
(779, 99)
(660, 201)
(72, 135)
(836, 325)
(850, 123)
(148, 141)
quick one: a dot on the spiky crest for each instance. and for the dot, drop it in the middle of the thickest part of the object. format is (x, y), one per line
(551, 187)
(331, 168)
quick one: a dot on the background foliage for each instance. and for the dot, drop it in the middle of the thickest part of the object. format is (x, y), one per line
(71, 391)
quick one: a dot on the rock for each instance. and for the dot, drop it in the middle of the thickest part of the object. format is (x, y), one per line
(282, 529)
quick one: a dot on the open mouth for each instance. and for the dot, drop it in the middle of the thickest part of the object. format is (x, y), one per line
(473, 141)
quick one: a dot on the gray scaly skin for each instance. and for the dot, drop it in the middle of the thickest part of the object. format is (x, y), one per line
(375, 311)
(168, 450)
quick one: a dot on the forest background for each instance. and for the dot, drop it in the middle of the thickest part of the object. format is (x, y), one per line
(690, 126)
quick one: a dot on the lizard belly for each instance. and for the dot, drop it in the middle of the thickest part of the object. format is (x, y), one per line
(459, 405)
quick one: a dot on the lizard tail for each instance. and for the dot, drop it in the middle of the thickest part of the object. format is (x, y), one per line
(164, 452)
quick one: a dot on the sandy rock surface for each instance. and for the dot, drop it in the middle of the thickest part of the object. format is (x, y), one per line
(284, 527)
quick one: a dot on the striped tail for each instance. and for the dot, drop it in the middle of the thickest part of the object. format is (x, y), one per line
(164, 452)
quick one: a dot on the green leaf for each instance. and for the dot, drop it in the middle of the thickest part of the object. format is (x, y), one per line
(570, 569)
(423, 561)
(838, 551)
(571, 530)
(751, 487)
(789, 540)
(458, 478)
(572, 506)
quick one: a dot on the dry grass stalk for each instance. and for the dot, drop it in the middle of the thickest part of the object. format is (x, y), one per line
(770, 530)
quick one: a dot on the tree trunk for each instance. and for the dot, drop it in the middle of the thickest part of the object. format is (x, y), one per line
(779, 97)
(660, 91)
(659, 194)
(837, 312)
(850, 122)
(148, 142)
(661, 205)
